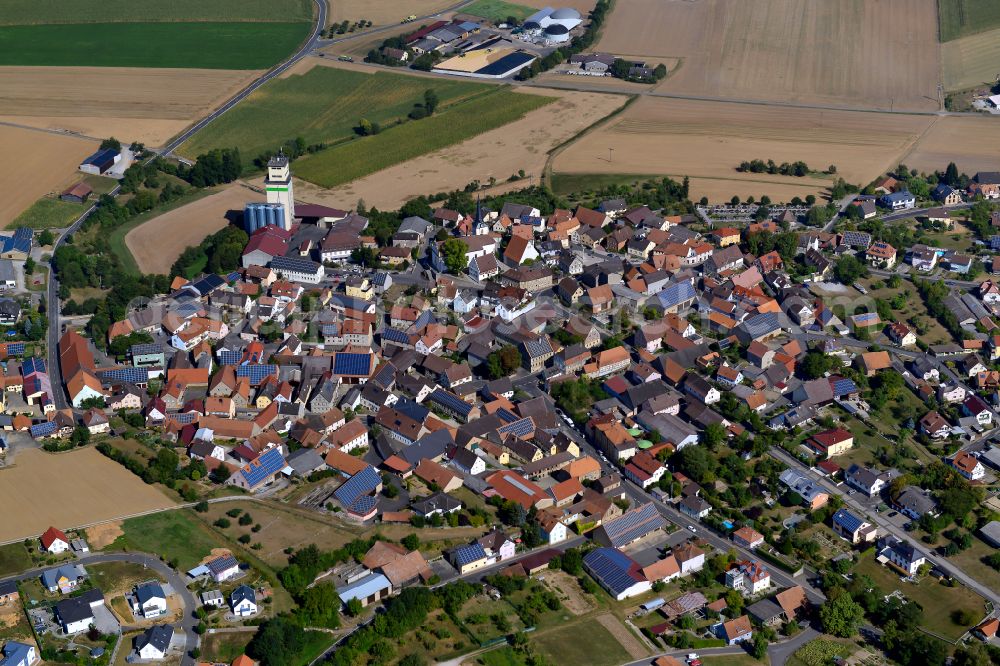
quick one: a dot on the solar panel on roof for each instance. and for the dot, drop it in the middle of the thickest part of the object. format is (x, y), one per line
(351, 364)
(230, 356)
(520, 428)
(130, 375)
(507, 415)
(450, 401)
(395, 335)
(847, 520)
(33, 364)
(844, 387)
(42, 429)
(233, 277)
(15, 349)
(364, 504)
(472, 552)
(363, 483)
(256, 373)
(612, 567)
(266, 465)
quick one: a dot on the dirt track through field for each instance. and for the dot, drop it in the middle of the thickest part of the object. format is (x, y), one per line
(708, 140)
(67, 490)
(872, 53)
(132, 104)
(158, 243)
(621, 633)
(523, 144)
(45, 163)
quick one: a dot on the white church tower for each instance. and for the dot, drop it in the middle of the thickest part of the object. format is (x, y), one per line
(278, 185)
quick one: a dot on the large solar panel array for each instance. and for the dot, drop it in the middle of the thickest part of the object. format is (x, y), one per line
(294, 265)
(363, 483)
(611, 567)
(506, 415)
(266, 465)
(468, 553)
(363, 505)
(185, 418)
(43, 429)
(843, 386)
(15, 349)
(207, 284)
(385, 376)
(33, 364)
(130, 375)
(395, 335)
(256, 373)
(450, 401)
(520, 428)
(411, 408)
(351, 364)
(230, 356)
(847, 520)
(145, 349)
(633, 525)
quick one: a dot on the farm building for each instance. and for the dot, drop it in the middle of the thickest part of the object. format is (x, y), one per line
(101, 162)
(77, 193)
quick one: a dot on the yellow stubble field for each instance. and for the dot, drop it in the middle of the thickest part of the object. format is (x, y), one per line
(872, 54)
(46, 163)
(707, 140)
(132, 104)
(67, 490)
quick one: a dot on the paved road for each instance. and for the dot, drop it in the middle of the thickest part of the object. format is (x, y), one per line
(188, 620)
(885, 526)
(314, 42)
(55, 310)
(277, 70)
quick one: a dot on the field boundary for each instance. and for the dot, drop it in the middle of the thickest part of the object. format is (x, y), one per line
(546, 175)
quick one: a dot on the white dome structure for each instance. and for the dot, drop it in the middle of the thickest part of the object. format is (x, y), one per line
(556, 23)
(566, 13)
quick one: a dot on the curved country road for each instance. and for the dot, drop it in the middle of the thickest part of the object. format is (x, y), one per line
(187, 622)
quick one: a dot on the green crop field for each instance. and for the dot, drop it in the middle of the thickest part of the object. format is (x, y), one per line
(498, 10)
(322, 106)
(32, 12)
(237, 45)
(346, 162)
(959, 18)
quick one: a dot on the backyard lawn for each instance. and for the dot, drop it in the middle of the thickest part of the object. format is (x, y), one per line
(175, 535)
(14, 558)
(585, 642)
(224, 647)
(938, 600)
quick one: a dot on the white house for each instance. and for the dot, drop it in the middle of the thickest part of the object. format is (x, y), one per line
(223, 568)
(968, 466)
(749, 577)
(901, 555)
(553, 530)
(54, 541)
(153, 643)
(865, 480)
(243, 601)
(691, 558)
(18, 654)
(149, 601)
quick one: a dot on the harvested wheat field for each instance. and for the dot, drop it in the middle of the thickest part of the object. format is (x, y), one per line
(132, 104)
(382, 12)
(847, 53)
(707, 140)
(968, 141)
(46, 163)
(71, 489)
(971, 61)
(155, 245)
(523, 144)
